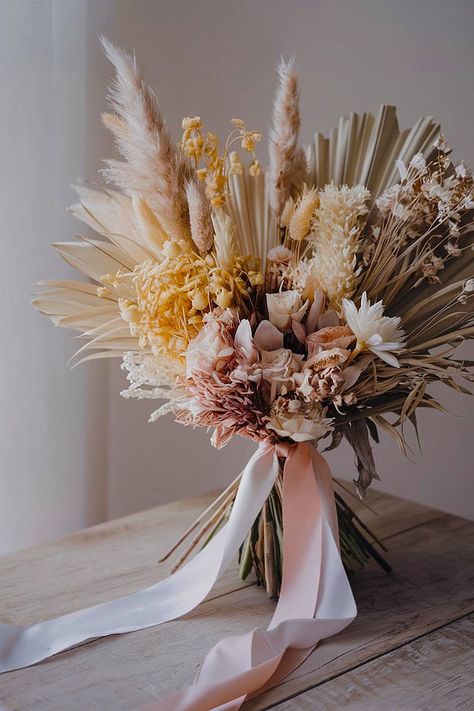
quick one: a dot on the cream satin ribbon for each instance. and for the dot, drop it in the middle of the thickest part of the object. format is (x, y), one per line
(315, 601)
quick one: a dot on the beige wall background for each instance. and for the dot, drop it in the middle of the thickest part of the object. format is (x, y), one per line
(73, 452)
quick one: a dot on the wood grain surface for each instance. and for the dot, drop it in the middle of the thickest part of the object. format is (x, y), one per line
(409, 648)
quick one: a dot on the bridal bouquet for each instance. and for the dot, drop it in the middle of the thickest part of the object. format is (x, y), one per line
(315, 300)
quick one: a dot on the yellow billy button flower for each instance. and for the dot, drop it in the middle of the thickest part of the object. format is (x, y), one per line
(235, 164)
(200, 301)
(191, 124)
(256, 278)
(224, 299)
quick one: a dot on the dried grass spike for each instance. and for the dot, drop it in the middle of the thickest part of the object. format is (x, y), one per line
(287, 212)
(301, 219)
(200, 219)
(285, 156)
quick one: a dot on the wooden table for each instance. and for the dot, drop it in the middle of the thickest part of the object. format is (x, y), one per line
(410, 647)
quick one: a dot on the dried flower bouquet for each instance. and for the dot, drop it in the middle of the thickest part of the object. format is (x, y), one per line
(317, 300)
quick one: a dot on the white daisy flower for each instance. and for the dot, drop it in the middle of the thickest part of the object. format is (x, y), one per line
(374, 331)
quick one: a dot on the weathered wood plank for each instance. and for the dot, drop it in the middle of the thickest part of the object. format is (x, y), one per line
(432, 672)
(97, 564)
(390, 515)
(432, 586)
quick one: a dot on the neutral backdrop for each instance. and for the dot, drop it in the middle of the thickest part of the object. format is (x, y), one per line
(72, 451)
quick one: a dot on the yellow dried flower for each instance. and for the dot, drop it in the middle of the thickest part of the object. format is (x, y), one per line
(200, 301)
(254, 169)
(247, 143)
(206, 150)
(235, 164)
(191, 124)
(168, 300)
(216, 189)
(256, 278)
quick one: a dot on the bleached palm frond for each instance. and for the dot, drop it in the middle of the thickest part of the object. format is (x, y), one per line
(111, 214)
(254, 220)
(91, 259)
(363, 149)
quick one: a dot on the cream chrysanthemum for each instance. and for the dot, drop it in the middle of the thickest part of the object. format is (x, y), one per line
(374, 331)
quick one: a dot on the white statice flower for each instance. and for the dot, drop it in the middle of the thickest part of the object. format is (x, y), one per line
(461, 170)
(374, 332)
(453, 249)
(430, 268)
(300, 427)
(418, 162)
(284, 307)
(402, 169)
(468, 288)
(389, 200)
(441, 144)
(411, 172)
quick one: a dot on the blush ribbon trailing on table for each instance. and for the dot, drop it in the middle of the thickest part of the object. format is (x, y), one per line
(315, 602)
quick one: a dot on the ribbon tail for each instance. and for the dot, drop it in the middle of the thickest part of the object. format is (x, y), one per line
(315, 602)
(171, 598)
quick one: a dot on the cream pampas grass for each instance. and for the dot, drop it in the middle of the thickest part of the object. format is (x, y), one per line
(153, 166)
(287, 160)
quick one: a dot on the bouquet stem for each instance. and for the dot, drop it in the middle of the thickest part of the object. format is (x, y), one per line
(262, 550)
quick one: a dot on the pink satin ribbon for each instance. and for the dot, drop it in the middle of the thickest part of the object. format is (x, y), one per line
(315, 602)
